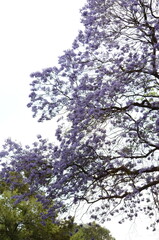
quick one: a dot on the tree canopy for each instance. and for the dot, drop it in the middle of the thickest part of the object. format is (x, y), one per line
(105, 92)
(23, 220)
(91, 231)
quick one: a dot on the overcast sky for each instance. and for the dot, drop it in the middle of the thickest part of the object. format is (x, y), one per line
(33, 33)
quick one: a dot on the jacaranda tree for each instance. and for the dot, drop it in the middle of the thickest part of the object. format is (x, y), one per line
(105, 92)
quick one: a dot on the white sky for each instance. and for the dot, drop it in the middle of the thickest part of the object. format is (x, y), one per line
(33, 33)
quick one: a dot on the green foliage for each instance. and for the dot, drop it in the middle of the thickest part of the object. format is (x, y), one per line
(91, 231)
(23, 221)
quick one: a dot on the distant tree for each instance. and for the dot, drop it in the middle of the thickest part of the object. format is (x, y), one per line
(107, 87)
(91, 231)
(23, 220)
